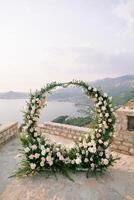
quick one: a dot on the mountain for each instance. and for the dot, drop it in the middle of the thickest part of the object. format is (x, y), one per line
(121, 88)
(13, 95)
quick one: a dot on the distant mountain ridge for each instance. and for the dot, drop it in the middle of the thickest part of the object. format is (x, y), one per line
(13, 95)
(121, 88)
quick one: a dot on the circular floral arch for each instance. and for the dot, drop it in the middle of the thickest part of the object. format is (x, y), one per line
(91, 152)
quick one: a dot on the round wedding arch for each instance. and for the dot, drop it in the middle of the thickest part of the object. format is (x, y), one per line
(91, 151)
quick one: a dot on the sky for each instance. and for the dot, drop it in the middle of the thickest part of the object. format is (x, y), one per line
(59, 40)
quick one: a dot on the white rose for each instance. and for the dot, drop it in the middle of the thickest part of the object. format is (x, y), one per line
(35, 134)
(109, 120)
(83, 152)
(110, 98)
(49, 158)
(43, 159)
(37, 155)
(33, 165)
(61, 158)
(47, 149)
(27, 150)
(78, 161)
(58, 154)
(50, 163)
(104, 161)
(92, 165)
(100, 141)
(106, 143)
(103, 108)
(33, 100)
(86, 160)
(94, 89)
(34, 147)
(100, 99)
(96, 95)
(101, 115)
(72, 162)
(89, 88)
(105, 95)
(31, 157)
(42, 164)
(107, 115)
(101, 154)
(43, 152)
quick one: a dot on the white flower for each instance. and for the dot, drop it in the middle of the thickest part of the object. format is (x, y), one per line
(80, 145)
(85, 145)
(91, 159)
(104, 161)
(48, 158)
(100, 102)
(30, 121)
(27, 150)
(111, 109)
(37, 155)
(94, 89)
(42, 164)
(110, 98)
(103, 108)
(101, 153)
(101, 115)
(78, 160)
(31, 157)
(107, 115)
(47, 149)
(28, 117)
(42, 147)
(72, 162)
(34, 147)
(96, 95)
(100, 130)
(109, 120)
(92, 165)
(89, 88)
(100, 99)
(33, 100)
(105, 95)
(35, 134)
(31, 130)
(100, 141)
(43, 159)
(92, 149)
(106, 143)
(86, 160)
(83, 152)
(61, 158)
(58, 154)
(50, 163)
(43, 152)
(33, 165)
(100, 125)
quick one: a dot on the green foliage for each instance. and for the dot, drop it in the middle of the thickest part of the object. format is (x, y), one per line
(75, 121)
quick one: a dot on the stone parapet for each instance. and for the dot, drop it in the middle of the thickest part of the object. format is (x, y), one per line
(124, 139)
(64, 130)
(8, 131)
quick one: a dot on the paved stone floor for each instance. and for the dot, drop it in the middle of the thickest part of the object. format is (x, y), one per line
(116, 184)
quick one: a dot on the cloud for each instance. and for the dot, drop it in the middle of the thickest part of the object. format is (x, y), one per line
(125, 10)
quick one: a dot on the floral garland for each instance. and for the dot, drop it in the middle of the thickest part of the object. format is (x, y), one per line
(91, 152)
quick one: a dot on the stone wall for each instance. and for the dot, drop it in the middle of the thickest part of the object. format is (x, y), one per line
(124, 139)
(123, 142)
(68, 131)
(8, 131)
